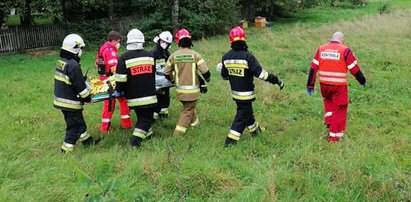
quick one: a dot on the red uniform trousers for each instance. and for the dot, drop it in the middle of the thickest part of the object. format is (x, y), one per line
(335, 109)
(109, 110)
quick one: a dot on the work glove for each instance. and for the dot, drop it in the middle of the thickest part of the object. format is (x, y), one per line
(203, 89)
(219, 66)
(86, 99)
(309, 91)
(117, 94)
(281, 84)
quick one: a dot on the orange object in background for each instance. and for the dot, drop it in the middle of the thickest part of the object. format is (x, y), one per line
(260, 22)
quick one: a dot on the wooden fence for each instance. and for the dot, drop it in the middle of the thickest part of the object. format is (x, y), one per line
(23, 38)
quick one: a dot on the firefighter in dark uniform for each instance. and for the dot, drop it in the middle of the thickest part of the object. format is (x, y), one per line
(135, 79)
(161, 55)
(239, 66)
(71, 91)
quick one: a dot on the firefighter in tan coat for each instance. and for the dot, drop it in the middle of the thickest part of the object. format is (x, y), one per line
(187, 69)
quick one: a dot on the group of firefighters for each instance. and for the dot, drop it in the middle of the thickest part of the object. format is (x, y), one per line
(144, 78)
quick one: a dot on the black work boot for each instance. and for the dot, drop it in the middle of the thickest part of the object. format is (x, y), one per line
(88, 142)
(256, 132)
(136, 141)
(229, 142)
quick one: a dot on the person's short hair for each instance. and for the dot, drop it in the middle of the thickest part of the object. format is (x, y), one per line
(113, 36)
(185, 43)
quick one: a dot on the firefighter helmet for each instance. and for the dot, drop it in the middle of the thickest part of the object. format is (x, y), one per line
(182, 33)
(73, 43)
(135, 36)
(165, 36)
(237, 34)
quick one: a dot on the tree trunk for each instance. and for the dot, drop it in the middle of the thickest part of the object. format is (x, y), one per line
(175, 15)
(110, 9)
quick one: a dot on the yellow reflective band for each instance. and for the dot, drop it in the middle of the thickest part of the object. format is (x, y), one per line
(195, 123)
(141, 103)
(243, 97)
(200, 62)
(239, 38)
(149, 133)
(67, 149)
(193, 71)
(245, 66)
(265, 76)
(62, 79)
(85, 137)
(139, 63)
(231, 136)
(84, 93)
(187, 91)
(254, 128)
(181, 129)
(65, 105)
(120, 77)
(137, 134)
(176, 71)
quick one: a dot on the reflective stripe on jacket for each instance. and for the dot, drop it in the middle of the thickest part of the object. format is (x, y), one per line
(69, 85)
(135, 77)
(332, 64)
(185, 64)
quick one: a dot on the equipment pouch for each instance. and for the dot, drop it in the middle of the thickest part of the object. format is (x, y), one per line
(101, 66)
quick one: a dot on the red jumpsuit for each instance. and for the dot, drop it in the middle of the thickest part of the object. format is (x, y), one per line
(108, 53)
(333, 60)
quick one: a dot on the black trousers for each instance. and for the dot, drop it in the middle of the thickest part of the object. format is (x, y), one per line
(75, 125)
(163, 98)
(244, 116)
(144, 118)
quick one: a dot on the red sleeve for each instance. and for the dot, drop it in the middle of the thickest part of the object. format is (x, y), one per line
(351, 62)
(110, 57)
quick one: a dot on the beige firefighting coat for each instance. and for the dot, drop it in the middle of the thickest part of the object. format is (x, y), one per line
(186, 64)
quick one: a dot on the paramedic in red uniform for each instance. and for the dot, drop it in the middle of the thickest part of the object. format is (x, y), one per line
(333, 60)
(106, 62)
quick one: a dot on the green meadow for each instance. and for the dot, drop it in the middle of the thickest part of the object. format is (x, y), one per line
(290, 161)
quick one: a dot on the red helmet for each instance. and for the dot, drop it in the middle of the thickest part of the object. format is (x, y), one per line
(182, 33)
(237, 34)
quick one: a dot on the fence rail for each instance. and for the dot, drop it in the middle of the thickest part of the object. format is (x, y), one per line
(23, 38)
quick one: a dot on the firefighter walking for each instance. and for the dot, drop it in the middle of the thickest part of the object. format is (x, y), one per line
(333, 60)
(239, 66)
(135, 80)
(71, 91)
(187, 66)
(106, 61)
(161, 55)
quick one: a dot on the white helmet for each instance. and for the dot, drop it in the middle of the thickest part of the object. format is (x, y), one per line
(73, 43)
(165, 36)
(135, 36)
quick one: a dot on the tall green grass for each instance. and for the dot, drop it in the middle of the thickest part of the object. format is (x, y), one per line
(291, 161)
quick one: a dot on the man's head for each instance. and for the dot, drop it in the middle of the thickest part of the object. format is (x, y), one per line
(164, 39)
(114, 38)
(338, 37)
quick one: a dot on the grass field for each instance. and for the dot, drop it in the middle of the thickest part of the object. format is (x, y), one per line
(291, 161)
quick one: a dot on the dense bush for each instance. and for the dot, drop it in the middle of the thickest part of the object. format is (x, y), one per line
(201, 17)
